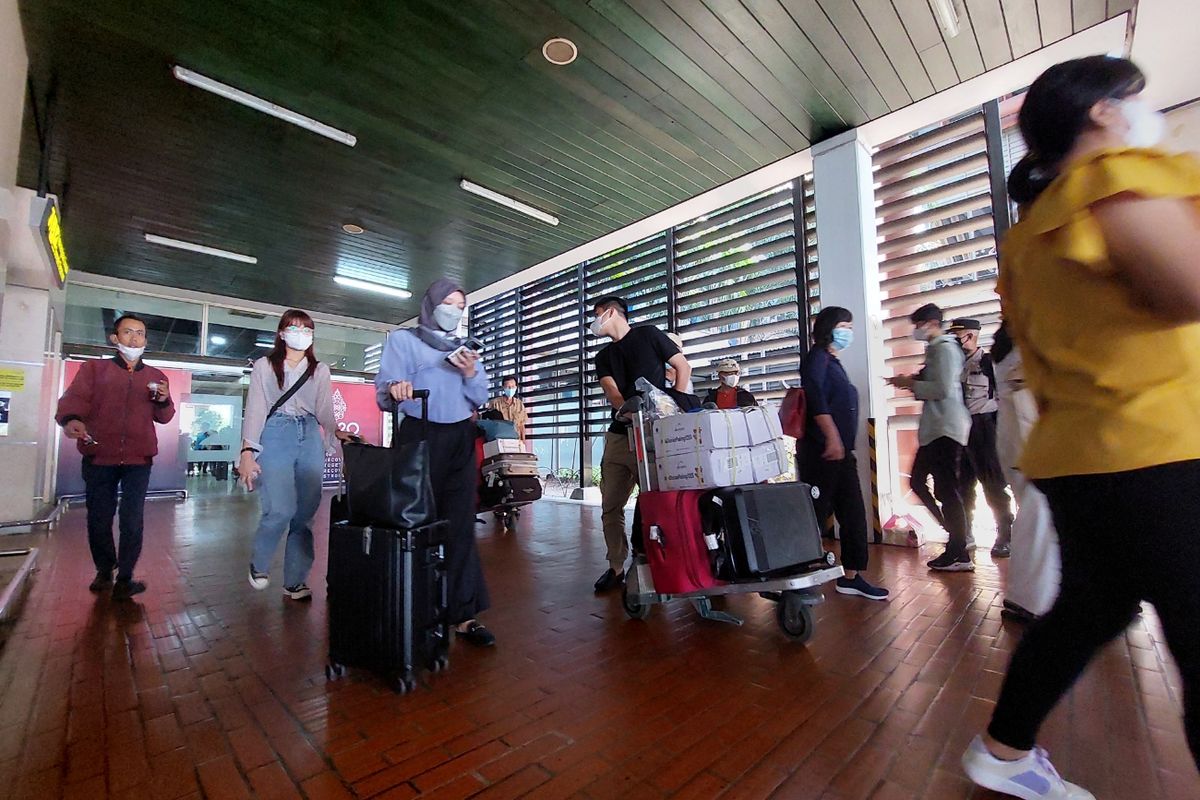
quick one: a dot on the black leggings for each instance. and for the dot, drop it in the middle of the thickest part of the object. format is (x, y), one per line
(1125, 537)
(942, 459)
(841, 496)
(455, 479)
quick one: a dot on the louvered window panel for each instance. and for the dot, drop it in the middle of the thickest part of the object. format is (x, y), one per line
(494, 322)
(736, 284)
(812, 272)
(549, 342)
(637, 273)
(935, 234)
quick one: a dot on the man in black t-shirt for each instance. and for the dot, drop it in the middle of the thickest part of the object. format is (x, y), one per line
(641, 352)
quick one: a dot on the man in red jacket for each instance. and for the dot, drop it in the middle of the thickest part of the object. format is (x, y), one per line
(110, 410)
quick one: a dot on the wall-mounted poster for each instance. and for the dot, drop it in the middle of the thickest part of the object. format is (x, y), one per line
(355, 410)
(5, 401)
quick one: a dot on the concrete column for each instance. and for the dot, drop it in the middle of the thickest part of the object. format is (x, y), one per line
(849, 261)
(31, 308)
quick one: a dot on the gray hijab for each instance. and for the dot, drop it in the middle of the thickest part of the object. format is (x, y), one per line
(427, 329)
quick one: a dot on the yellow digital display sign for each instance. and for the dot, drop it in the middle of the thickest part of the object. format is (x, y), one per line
(52, 230)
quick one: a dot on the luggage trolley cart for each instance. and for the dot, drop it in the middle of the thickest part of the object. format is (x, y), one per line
(794, 612)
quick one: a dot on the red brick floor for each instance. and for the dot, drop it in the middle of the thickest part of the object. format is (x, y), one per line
(206, 688)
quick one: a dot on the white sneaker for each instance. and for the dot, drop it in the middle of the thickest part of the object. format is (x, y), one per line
(1030, 778)
(259, 580)
(298, 592)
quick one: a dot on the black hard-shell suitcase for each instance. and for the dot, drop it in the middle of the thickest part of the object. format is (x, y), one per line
(387, 600)
(767, 528)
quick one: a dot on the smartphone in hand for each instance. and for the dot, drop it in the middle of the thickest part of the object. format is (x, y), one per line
(471, 344)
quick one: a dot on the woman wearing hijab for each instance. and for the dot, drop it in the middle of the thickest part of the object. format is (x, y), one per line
(420, 358)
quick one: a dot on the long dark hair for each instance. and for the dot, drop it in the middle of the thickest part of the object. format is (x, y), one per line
(828, 319)
(292, 316)
(1002, 343)
(1056, 110)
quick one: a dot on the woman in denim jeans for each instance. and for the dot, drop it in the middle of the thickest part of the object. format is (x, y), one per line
(283, 451)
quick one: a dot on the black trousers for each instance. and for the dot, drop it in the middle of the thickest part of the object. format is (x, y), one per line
(1125, 537)
(102, 484)
(841, 496)
(454, 475)
(982, 465)
(942, 460)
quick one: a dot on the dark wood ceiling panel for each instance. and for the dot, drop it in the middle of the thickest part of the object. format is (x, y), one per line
(803, 30)
(824, 87)
(1054, 20)
(698, 64)
(886, 27)
(1021, 18)
(853, 29)
(987, 20)
(926, 37)
(667, 99)
(1086, 13)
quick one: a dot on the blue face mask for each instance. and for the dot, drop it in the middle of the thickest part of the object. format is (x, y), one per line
(842, 338)
(510, 392)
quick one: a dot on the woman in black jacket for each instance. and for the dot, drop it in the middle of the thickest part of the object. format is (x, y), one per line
(826, 454)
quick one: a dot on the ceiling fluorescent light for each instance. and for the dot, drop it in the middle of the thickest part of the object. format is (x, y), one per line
(505, 200)
(947, 17)
(265, 106)
(199, 248)
(355, 283)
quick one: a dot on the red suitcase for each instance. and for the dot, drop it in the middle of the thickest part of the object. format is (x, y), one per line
(674, 540)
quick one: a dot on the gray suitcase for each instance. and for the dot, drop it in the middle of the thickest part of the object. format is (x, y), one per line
(509, 465)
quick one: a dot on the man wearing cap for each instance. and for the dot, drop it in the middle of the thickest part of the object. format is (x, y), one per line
(982, 463)
(942, 434)
(727, 393)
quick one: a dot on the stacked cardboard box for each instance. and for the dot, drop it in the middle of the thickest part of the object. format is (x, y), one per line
(709, 449)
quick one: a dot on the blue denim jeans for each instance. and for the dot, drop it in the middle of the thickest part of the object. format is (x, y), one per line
(289, 488)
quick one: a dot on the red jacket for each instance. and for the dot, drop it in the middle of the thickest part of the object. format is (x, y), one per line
(113, 401)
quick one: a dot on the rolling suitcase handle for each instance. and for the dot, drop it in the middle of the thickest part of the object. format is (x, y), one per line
(418, 394)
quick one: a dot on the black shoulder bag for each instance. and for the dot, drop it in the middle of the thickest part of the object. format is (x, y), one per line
(388, 487)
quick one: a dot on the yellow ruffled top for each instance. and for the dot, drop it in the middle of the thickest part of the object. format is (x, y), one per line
(1118, 387)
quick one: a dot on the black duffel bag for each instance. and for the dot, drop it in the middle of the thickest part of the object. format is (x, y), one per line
(389, 487)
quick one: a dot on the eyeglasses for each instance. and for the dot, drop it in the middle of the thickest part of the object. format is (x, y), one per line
(297, 329)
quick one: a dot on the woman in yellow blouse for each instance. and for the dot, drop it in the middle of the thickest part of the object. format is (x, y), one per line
(1100, 282)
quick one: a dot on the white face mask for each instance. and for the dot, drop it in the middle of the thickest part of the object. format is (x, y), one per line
(597, 324)
(130, 354)
(730, 380)
(298, 340)
(447, 317)
(920, 334)
(1147, 127)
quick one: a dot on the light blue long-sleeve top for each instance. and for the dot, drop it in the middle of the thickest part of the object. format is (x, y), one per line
(452, 398)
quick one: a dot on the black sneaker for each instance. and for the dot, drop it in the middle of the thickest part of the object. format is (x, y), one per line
(102, 582)
(125, 589)
(298, 592)
(1016, 613)
(611, 579)
(858, 585)
(477, 635)
(951, 563)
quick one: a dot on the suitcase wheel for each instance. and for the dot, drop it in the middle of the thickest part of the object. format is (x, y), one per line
(795, 617)
(439, 664)
(403, 684)
(632, 607)
(815, 492)
(334, 670)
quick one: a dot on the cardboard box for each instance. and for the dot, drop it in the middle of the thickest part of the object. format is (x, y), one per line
(502, 446)
(700, 431)
(762, 426)
(706, 469)
(769, 460)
